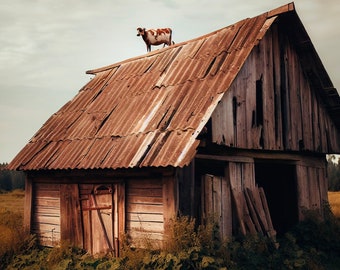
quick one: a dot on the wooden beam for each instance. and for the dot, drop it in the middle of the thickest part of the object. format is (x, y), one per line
(28, 204)
(247, 156)
(226, 158)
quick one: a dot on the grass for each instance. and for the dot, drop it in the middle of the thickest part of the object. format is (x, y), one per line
(12, 201)
(334, 202)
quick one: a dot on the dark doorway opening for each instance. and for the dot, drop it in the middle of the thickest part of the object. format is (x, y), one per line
(279, 183)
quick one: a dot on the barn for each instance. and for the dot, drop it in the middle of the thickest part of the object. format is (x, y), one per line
(236, 123)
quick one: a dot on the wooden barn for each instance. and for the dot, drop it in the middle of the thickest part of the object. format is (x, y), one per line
(236, 123)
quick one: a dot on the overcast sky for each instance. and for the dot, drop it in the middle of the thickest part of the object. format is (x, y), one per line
(46, 46)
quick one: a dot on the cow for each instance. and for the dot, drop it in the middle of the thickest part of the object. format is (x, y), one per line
(155, 36)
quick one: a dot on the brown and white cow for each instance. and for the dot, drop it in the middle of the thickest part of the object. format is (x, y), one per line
(155, 36)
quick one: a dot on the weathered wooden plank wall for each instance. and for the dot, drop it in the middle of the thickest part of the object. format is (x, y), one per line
(46, 213)
(312, 189)
(144, 211)
(271, 105)
(216, 203)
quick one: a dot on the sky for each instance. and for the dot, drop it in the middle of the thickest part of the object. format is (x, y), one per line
(46, 46)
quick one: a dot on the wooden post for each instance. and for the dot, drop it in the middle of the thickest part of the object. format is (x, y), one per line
(28, 204)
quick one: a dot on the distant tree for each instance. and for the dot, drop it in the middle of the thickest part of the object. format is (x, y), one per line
(333, 171)
(10, 180)
(5, 178)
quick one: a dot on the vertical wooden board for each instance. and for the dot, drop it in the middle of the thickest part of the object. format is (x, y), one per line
(87, 225)
(217, 203)
(323, 131)
(316, 124)
(252, 131)
(328, 131)
(244, 89)
(277, 87)
(305, 100)
(121, 208)
(248, 174)
(234, 99)
(84, 192)
(302, 190)
(294, 90)
(334, 146)
(219, 123)
(323, 185)
(226, 209)
(313, 189)
(169, 198)
(222, 121)
(229, 132)
(241, 89)
(28, 204)
(237, 185)
(70, 214)
(208, 195)
(239, 177)
(286, 116)
(323, 189)
(268, 91)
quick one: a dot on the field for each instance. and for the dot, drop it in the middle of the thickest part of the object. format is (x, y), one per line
(334, 201)
(12, 201)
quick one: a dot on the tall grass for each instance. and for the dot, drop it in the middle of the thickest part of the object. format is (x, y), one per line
(334, 202)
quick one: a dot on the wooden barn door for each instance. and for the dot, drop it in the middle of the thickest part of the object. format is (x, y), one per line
(216, 202)
(99, 212)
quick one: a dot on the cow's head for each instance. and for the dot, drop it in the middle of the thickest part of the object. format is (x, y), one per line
(140, 31)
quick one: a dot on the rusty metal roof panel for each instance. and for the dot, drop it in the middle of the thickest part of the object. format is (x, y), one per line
(148, 110)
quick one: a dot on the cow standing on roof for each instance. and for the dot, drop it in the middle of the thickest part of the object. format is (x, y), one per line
(155, 36)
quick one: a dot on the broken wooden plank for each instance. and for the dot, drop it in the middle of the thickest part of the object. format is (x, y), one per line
(271, 231)
(246, 216)
(255, 197)
(239, 211)
(252, 211)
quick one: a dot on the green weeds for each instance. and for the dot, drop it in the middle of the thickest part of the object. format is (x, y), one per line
(312, 244)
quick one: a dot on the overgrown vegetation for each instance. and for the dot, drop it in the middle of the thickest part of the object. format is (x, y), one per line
(312, 244)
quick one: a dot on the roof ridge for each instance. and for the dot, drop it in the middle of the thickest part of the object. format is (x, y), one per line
(285, 8)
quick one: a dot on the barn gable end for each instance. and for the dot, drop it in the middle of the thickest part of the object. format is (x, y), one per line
(272, 104)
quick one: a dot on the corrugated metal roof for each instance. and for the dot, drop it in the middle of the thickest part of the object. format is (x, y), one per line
(148, 110)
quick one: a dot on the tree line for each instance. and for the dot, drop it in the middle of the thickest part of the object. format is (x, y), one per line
(10, 180)
(333, 171)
